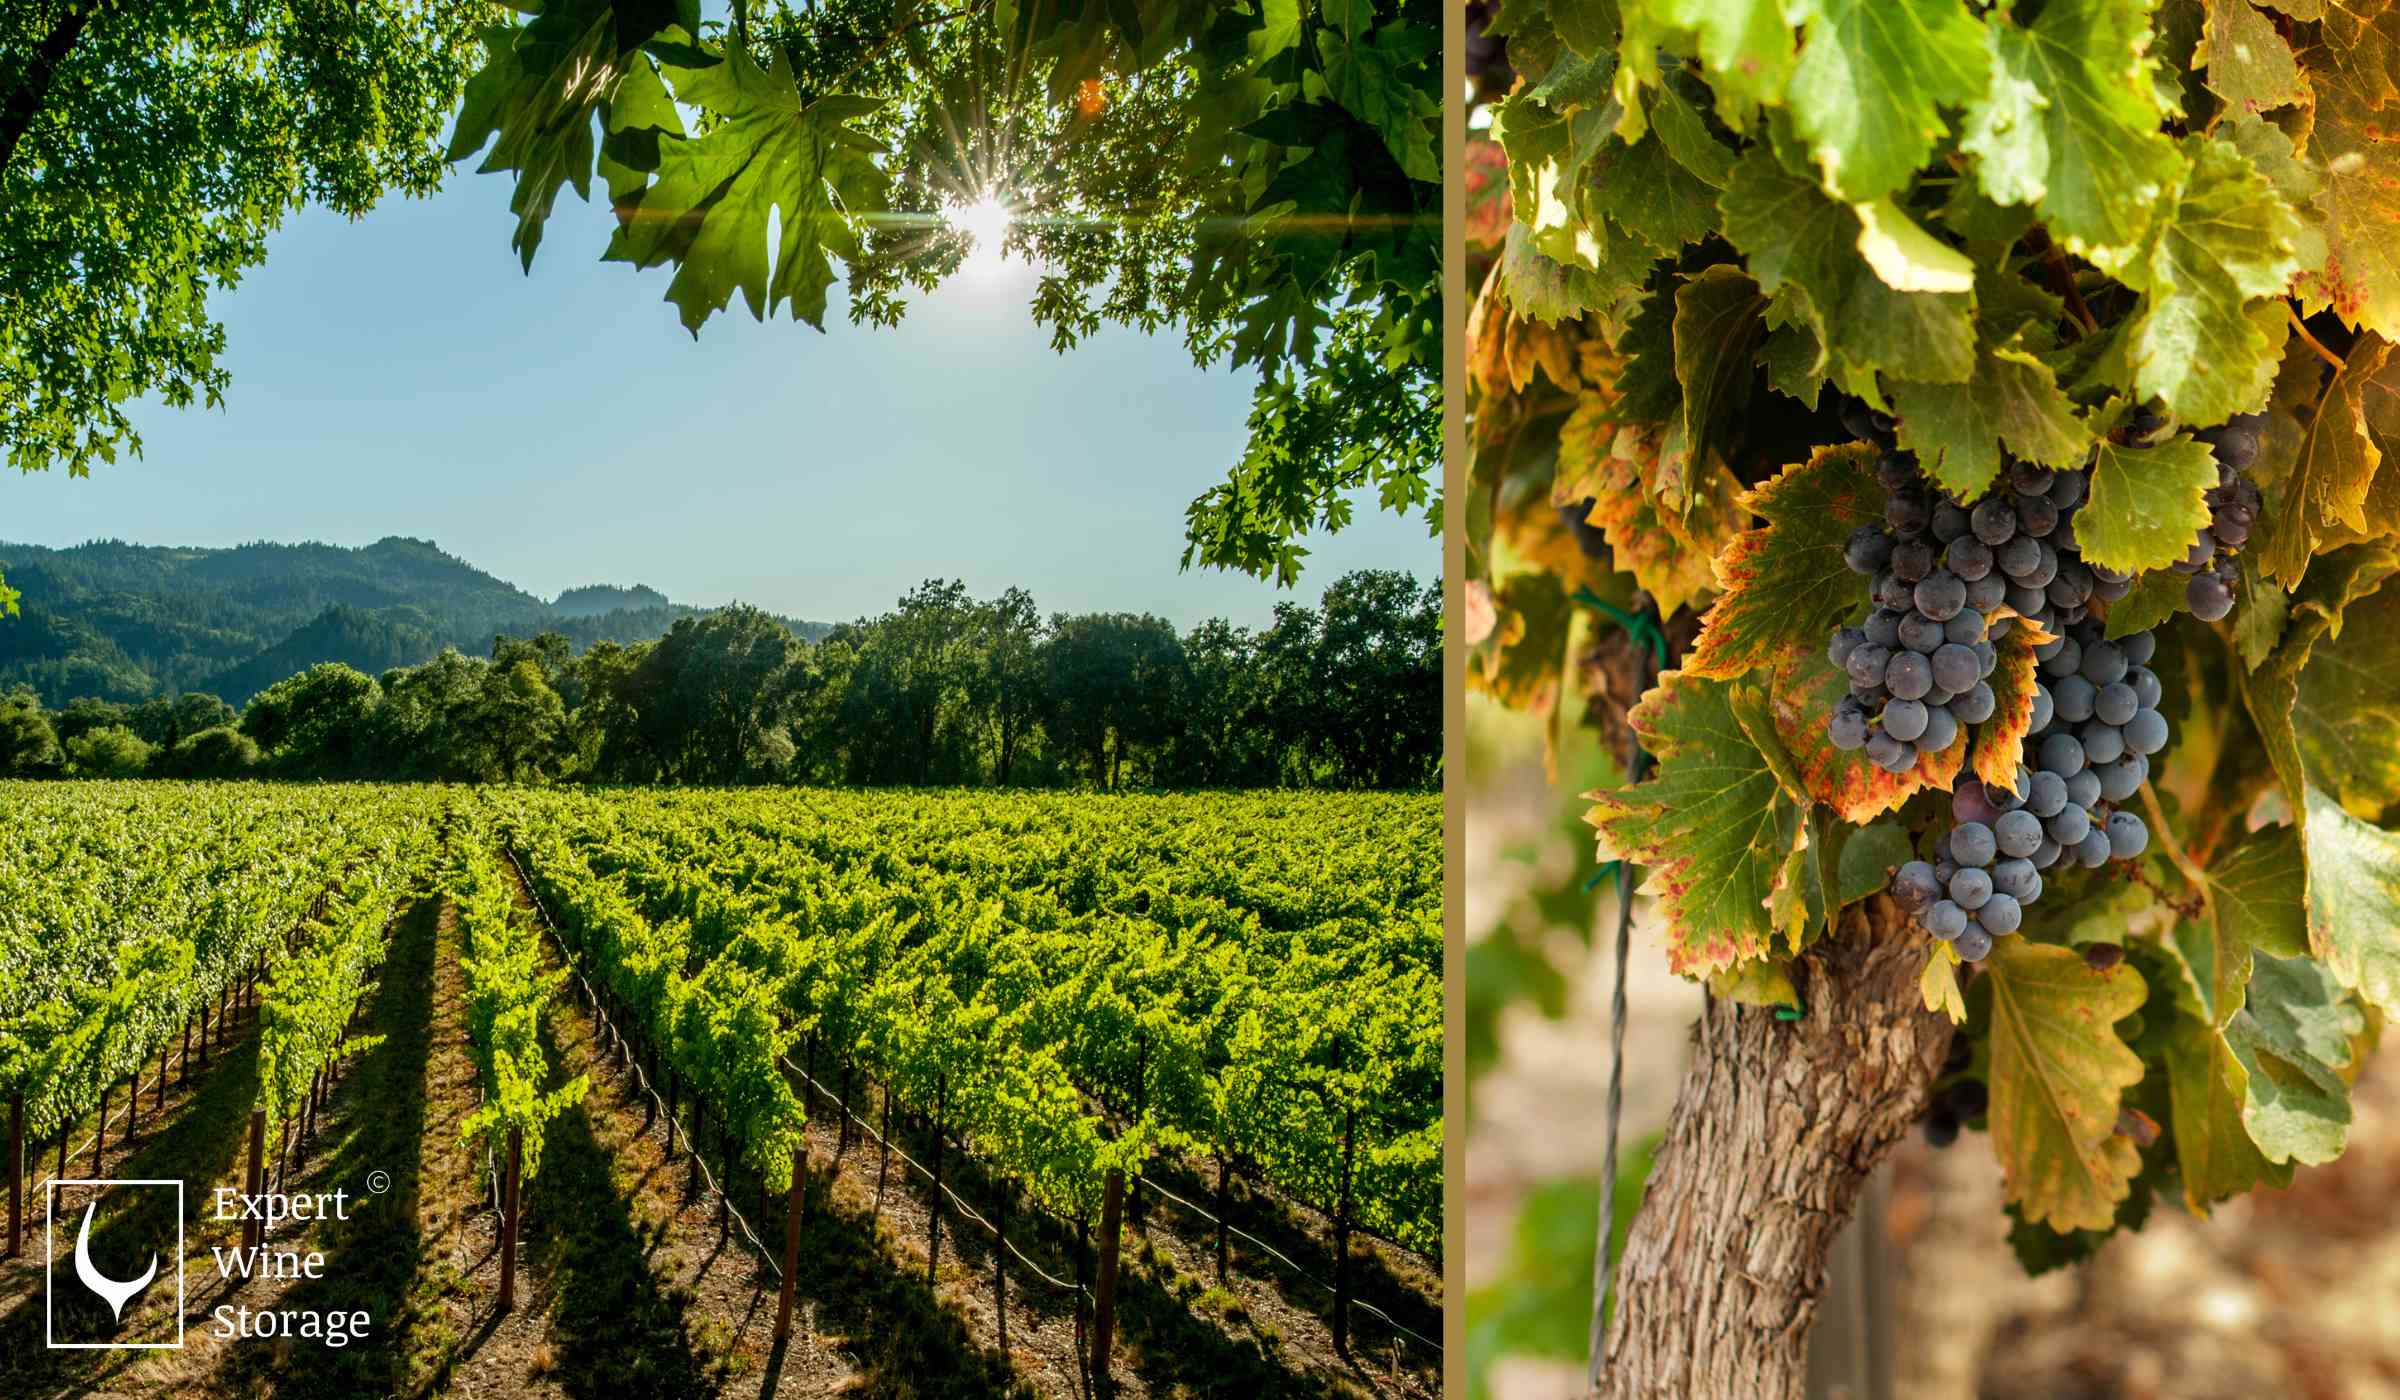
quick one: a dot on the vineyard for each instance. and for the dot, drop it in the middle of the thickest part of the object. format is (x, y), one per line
(946, 1092)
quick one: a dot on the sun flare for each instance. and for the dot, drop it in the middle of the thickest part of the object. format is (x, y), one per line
(985, 223)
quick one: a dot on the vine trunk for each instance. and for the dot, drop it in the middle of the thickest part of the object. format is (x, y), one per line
(1775, 1129)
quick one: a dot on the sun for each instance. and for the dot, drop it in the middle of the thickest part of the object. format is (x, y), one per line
(985, 223)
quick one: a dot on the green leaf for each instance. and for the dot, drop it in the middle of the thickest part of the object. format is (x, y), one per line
(2058, 1075)
(1746, 45)
(1785, 581)
(2070, 120)
(1870, 856)
(1905, 256)
(2336, 491)
(1958, 430)
(1872, 80)
(2272, 691)
(1717, 330)
(2347, 714)
(1715, 826)
(2255, 890)
(2354, 900)
(2247, 61)
(2208, 1089)
(2260, 606)
(2226, 237)
(2146, 503)
(2156, 597)
(1794, 235)
(770, 156)
(2293, 1040)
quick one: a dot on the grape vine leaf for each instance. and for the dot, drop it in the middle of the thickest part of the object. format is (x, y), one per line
(2256, 889)
(2353, 893)
(1668, 552)
(2070, 121)
(1746, 45)
(1717, 330)
(1524, 663)
(1785, 582)
(2248, 63)
(2225, 237)
(2359, 202)
(2058, 1073)
(2000, 740)
(2012, 398)
(1905, 256)
(2294, 1039)
(2261, 605)
(2346, 718)
(2156, 596)
(1938, 984)
(1873, 78)
(2208, 1090)
(1715, 824)
(2146, 503)
(1755, 982)
(1868, 858)
(1794, 235)
(1804, 688)
(2336, 492)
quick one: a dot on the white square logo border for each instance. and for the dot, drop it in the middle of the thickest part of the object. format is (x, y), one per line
(50, 1262)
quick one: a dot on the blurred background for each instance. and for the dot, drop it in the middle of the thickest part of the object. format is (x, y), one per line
(2290, 1293)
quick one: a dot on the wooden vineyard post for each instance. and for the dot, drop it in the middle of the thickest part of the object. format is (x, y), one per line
(1224, 1212)
(791, 1244)
(1341, 1238)
(508, 1220)
(158, 1102)
(1000, 1260)
(187, 1061)
(100, 1133)
(933, 1241)
(691, 1179)
(16, 1173)
(1104, 1292)
(883, 1160)
(670, 1077)
(252, 1231)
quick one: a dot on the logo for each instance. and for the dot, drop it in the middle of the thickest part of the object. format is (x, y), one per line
(66, 1303)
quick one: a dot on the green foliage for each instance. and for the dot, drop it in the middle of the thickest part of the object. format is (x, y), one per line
(2079, 233)
(112, 752)
(507, 993)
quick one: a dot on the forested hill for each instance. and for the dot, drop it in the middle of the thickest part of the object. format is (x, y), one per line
(117, 621)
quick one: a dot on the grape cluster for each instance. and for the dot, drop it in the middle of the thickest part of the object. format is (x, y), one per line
(2233, 509)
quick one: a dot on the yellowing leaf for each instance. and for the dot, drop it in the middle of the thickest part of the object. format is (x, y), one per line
(1785, 582)
(2058, 1076)
(1715, 825)
(2147, 503)
(2248, 63)
(2360, 202)
(1939, 982)
(2000, 740)
(1905, 256)
(2326, 501)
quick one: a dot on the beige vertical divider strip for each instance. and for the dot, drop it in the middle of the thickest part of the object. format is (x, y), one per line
(1454, 699)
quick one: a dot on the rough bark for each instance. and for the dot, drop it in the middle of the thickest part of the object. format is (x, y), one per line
(1774, 1132)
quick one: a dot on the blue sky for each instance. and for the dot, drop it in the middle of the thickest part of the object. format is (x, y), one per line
(399, 376)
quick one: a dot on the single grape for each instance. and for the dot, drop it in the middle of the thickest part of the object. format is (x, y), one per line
(2031, 478)
(1972, 844)
(2069, 590)
(2208, 597)
(1909, 675)
(1988, 592)
(1914, 886)
(1975, 704)
(2062, 754)
(2028, 600)
(2121, 779)
(1918, 633)
(1994, 521)
(2139, 648)
(1973, 945)
(2014, 555)
(1883, 626)
(2045, 707)
(1971, 802)
(2015, 878)
(2045, 855)
(1967, 628)
(1941, 729)
(2146, 732)
(2048, 795)
(1868, 662)
(2066, 661)
(1893, 592)
(2070, 825)
(1848, 726)
(2231, 527)
(1912, 560)
(2115, 703)
(2083, 790)
(2036, 515)
(1908, 511)
(1968, 557)
(1987, 659)
(2102, 743)
(2071, 694)
(2202, 552)
(2147, 692)
(2127, 837)
(1904, 719)
(1895, 470)
(1941, 595)
(2000, 914)
(1970, 888)
(2104, 663)
(2067, 492)
(1944, 919)
(1949, 520)
(1868, 551)
(2092, 852)
(2017, 833)
(2110, 590)
(1955, 668)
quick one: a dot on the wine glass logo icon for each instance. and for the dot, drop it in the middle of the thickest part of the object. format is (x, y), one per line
(117, 1293)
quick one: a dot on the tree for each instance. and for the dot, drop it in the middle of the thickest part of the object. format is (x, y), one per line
(219, 752)
(28, 746)
(1774, 314)
(716, 685)
(112, 751)
(1379, 675)
(1112, 679)
(519, 720)
(146, 154)
(318, 723)
(1011, 692)
(1263, 176)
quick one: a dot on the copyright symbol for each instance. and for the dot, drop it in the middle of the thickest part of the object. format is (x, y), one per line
(379, 1182)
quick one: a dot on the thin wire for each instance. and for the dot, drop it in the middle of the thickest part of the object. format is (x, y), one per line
(1603, 1262)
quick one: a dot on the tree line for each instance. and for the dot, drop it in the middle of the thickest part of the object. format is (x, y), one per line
(944, 689)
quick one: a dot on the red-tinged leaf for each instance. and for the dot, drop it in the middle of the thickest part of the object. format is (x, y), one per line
(1785, 583)
(1715, 825)
(1614, 466)
(2000, 740)
(1805, 687)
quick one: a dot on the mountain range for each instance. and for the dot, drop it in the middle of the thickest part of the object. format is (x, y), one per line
(118, 621)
